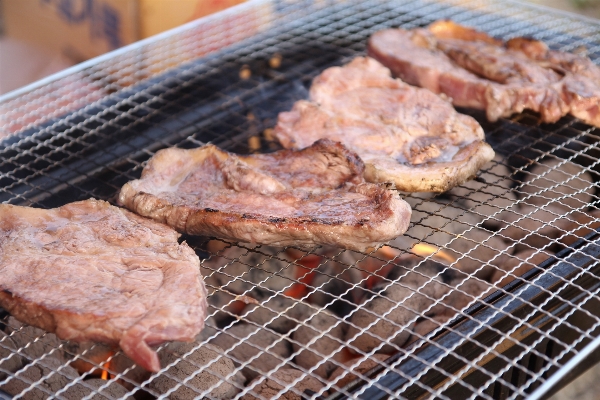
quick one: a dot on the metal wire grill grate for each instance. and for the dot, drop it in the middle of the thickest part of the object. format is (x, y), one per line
(295, 321)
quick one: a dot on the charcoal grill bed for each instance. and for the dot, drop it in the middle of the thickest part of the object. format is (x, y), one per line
(223, 79)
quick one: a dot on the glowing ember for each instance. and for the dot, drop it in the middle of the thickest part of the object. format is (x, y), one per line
(305, 273)
(377, 274)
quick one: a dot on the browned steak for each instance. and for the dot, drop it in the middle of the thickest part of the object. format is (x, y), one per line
(476, 70)
(92, 271)
(405, 135)
(313, 196)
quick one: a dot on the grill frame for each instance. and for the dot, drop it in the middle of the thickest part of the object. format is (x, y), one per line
(162, 77)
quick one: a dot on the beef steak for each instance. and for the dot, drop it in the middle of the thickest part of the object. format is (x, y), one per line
(405, 135)
(313, 196)
(502, 78)
(92, 271)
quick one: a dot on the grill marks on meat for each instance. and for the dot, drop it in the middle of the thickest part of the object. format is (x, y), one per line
(92, 271)
(476, 70)
(313, 196)
(405, 135)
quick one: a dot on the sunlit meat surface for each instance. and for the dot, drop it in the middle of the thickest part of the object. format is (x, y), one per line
(502, 78)
(405, 135)
(92, 271)
(313, 196)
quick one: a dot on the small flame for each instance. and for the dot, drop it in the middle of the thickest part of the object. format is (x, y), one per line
(376, 270)
(388, 252)
(419, 249)
(104, 375)
(98, 356)
(426, 250)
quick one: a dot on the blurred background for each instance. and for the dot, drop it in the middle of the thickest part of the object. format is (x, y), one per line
(41, 37)
(590, 8)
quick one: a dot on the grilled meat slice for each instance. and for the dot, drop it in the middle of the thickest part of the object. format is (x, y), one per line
(92, 271)
(313, 196)
(476, 70)
(405, 135)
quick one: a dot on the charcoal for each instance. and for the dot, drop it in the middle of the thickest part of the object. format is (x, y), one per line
(239, 271)
(113, 390)
(245, 341)
(316, 344)
(34, 342)
(489, 194)
(9, 360)
(278, 313)
(218, 379)
(52, 373)
(577, 225)
(426, 325)
(429, 278)
(269, 387)
(538, 227)
(350, 371)
(385, 334)
(517, 266)
(222, 306)
(465, 290)
(554, 178)
(332, 290)
(131, 374)
(477, 251)
(210, 330)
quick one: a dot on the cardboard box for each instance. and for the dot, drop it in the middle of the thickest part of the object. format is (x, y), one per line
(82, 29)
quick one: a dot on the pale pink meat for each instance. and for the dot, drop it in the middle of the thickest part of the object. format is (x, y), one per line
(304, 198)
(89, 271)
(476, 70)
(405, 135)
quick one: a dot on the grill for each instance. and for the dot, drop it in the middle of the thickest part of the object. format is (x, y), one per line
(223, 79)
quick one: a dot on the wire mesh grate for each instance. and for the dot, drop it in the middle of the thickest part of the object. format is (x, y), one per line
(490, 294)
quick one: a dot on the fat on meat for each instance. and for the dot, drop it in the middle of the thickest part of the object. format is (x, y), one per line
(90, 271)
(405, 135)
(308, 197)
(502, 78)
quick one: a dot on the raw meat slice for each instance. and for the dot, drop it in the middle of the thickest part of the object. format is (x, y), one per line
(476, 70)
(405, 135)
(92, 271)
(313, 196)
